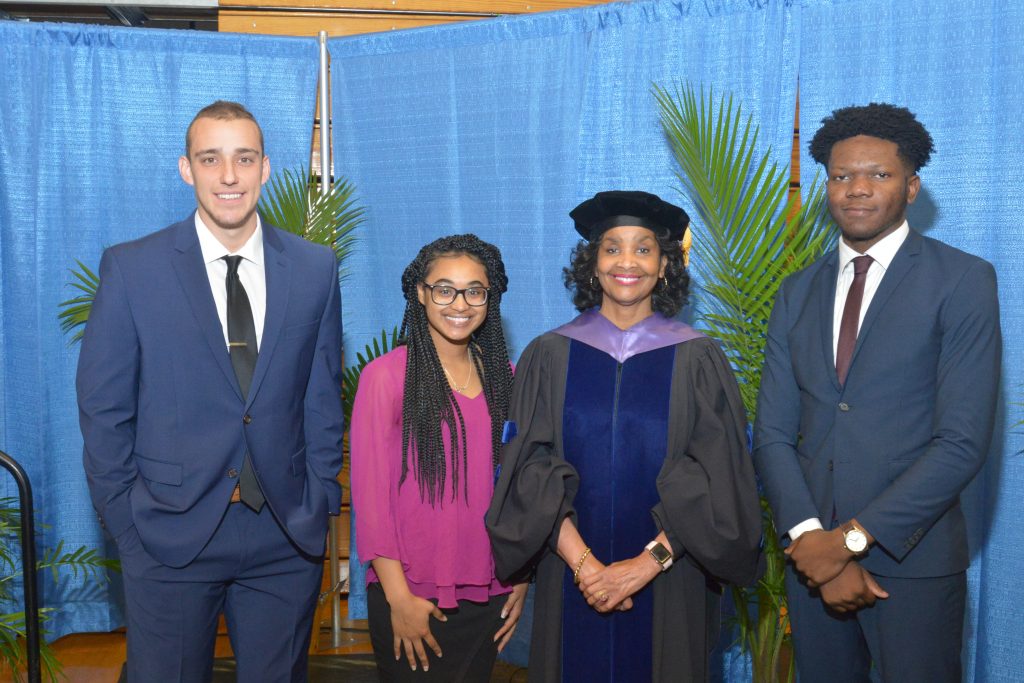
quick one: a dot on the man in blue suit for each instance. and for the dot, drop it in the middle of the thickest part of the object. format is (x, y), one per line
(210, 404)
(876, 409)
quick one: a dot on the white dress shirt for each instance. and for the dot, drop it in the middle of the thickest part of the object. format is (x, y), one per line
(250, 272)
(882, 253)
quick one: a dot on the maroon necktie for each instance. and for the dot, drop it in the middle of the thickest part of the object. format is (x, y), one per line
(851, 317)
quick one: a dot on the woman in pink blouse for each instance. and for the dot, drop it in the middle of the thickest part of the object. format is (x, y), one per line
(426, 433)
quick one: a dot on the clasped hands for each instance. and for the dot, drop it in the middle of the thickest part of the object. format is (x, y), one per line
(822, 559)
(609, 588)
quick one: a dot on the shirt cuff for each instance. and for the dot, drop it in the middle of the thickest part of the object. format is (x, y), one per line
(812, 524)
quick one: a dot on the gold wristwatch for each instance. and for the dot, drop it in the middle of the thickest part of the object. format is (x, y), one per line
(854, 539)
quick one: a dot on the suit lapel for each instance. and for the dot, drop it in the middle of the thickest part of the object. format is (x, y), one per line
(278, 273)
(826, 287)
(191, 271)
(904, 262)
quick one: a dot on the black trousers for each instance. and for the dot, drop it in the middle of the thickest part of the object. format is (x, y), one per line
(466, 640)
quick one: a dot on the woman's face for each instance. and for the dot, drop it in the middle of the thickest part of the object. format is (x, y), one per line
(455, 322)
(629, 265)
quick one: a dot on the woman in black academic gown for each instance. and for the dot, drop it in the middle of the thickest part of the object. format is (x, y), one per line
(628, 489)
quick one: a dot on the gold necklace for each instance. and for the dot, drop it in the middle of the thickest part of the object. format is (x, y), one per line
(469, 377)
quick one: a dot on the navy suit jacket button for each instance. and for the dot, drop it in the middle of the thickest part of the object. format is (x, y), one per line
(232, 473)
(845, 407)
(247, 419)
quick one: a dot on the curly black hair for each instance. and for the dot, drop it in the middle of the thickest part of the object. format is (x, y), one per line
(586, 290)
(886, 121)
(427, 400)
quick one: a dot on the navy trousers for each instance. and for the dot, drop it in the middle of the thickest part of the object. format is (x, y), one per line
(250, 570)
(914, 636)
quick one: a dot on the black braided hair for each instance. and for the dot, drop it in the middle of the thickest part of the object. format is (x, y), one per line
(427, 400)
(586, 291)
(885, 121)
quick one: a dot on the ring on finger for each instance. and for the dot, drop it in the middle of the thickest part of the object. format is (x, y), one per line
(602, 596)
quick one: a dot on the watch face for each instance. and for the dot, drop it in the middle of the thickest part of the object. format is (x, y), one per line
(856, 541)
(661, 553)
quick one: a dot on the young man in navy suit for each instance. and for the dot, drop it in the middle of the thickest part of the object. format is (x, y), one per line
(876, 409)
(210, 404)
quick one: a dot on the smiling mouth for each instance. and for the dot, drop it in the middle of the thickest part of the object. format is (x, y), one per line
(626, 279)
(229, 195)
(457, 319)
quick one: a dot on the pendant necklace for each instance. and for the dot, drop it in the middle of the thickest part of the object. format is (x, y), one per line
(469, 377)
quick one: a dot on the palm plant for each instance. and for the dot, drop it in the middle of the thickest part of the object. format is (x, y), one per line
(748, 238)
(81, 562)
(292, 202)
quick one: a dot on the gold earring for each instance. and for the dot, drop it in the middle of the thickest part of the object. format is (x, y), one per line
(592, 285)
(665, 280)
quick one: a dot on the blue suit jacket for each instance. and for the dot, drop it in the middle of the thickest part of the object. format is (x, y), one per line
(897, 444)
(165, 426)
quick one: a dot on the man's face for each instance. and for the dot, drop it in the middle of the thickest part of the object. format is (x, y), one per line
(869, 188)
(227, 168)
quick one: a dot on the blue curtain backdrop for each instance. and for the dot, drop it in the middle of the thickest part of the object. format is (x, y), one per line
(959, 66)
(501, 127)
(92, 122)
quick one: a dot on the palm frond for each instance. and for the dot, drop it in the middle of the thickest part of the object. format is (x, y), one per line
(75, 311)
(84, 562)
(747, 236)
(294, 203)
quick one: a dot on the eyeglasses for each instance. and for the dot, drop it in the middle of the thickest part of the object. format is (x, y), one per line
(443, 295)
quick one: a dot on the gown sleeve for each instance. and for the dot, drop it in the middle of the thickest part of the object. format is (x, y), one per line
(709, 506)
(536, 487)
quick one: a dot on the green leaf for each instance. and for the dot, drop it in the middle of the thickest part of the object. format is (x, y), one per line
(747, 237)
(75, 311)
(294, 203)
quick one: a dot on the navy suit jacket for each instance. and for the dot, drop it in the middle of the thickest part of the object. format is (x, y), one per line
(165, 426)
(897, 444)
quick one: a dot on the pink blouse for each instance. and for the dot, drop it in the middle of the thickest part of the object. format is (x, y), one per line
(444, 549)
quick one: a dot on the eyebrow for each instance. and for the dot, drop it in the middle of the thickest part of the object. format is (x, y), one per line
(444, 280)
(218, 150)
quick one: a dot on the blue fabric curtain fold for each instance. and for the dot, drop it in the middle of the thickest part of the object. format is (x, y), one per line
(92, 122)
(959, 67)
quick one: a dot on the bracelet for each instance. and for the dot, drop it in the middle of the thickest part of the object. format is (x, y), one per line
(579, 566)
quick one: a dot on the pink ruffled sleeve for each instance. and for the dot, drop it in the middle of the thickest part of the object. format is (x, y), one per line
(376, 443)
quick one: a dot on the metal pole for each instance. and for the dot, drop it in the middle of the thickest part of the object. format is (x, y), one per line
(28, 564)
(325, 188)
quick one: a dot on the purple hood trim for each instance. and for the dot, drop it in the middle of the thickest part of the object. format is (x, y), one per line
(655, 332)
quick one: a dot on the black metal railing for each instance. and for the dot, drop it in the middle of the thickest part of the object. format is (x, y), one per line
(28, 564)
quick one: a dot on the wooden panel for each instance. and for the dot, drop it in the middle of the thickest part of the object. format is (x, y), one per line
(301, 23)
(474, 6)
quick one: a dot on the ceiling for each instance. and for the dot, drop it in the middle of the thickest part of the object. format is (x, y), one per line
(198, 15)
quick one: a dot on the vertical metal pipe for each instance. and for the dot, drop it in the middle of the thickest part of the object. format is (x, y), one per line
(325, 187)
(28, 565)
(325, 116)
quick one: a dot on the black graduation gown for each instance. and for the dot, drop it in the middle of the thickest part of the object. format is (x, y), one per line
(705, 500)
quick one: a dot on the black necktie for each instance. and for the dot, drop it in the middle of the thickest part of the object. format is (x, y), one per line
(851, 317)
(242, 347)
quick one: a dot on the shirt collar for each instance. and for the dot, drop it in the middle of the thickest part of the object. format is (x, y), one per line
(882, 252)
(212, 249)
